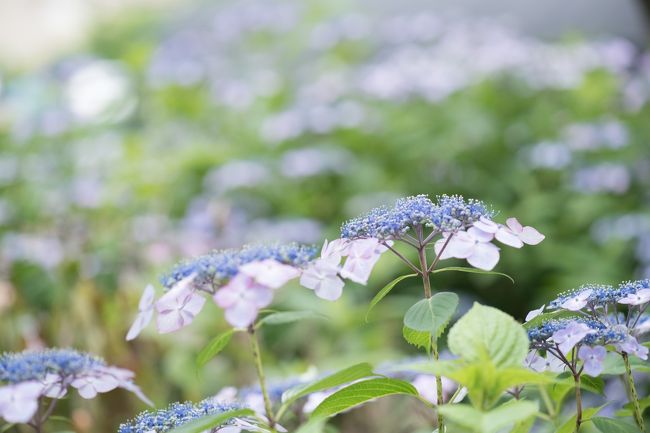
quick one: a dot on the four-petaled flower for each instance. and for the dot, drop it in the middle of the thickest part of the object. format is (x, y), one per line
(362, 255)
(593, 358)
(178, 307)
(241, 299)
(512, 234)
(474, 245)
(631, 346)
(566, 338)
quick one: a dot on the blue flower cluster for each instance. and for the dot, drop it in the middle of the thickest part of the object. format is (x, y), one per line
(174, 415)
(217, 267)
(601, 294)
(449, 213)
(35, 365)
(603, 334)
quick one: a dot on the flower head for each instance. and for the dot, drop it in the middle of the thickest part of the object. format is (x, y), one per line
(175, 415)
(48, 373)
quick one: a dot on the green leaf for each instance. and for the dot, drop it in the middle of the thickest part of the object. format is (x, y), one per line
(417, 338)
(312, 426)
(383, 292)
(282, 317)
(559, 314)
(644, 403)
(433, 314)
(524, 426)
(472, 271)
(6, 427)
(210, 421)
(347, 375)
(478, 421)
(612, 425)
(361, 392)
(487, 332)
(213, 348)
(570, 424)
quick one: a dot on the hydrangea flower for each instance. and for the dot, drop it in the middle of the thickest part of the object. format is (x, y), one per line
(178, 414)
(459, 228)
(593, 358)
(239, 281)
(48, 373)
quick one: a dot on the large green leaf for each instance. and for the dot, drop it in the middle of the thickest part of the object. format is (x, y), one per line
(361, 392)
(524, 426)
(433, 314)
(613, 425)
(312, 426)
(478, 421)
(472, 271)
(282, 317)
(212, 349)
(211, 421)
(347, 375)
(488, 332)
(384, 291)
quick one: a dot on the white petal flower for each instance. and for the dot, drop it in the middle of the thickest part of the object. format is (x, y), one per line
(577, 301)
(534, 313)
(640, 297)
(19, 402)
(178, 307)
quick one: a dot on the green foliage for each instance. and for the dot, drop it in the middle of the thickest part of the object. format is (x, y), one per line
(486, 332)
(211, 421)
(361, 392)
(612, 425)
(432, 315)
(284, 317)
(491, 421)
(384, 291)
(347, 375)
(471, 271)
(569, 425)
(214, 347)
(417, 338)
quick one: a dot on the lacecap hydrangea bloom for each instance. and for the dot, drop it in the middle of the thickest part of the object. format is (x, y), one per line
(178, 414)
(609, 317)
(241, 281)
(459, 228)
(31, 375)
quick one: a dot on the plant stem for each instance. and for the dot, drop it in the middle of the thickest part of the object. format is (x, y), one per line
(260, 375)
(576, 378)
(638, 415)
(424, 267)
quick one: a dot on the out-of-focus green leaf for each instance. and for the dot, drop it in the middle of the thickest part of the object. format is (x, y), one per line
(211, 421)
(384, 291)
(361, 392)
(212, 349)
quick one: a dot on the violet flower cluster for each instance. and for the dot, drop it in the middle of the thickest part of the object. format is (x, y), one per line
(31, 375)
(178, 414)
(244, 281)
(601, 318)
(460, 228)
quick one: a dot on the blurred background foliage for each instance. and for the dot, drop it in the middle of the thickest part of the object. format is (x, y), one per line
(207, 126)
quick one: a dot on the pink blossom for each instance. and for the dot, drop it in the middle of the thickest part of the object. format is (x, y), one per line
(474, 245)
(571, 335)
(19, 402)
(362, 255)
(512, 234)
(145, 313)
(270, 273)
(322, 277)
(178, 307)
(242, 298)
(593, 358)
(631, 346)
(540, 364)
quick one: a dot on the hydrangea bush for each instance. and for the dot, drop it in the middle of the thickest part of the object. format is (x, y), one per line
(496, 375)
